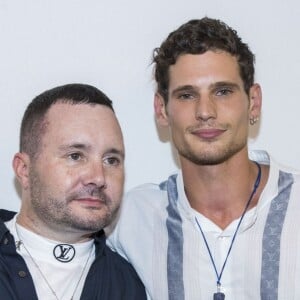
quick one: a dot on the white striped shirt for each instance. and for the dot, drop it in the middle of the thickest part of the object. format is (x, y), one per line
(159, 236)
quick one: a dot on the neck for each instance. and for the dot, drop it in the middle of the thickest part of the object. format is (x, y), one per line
(40, 228)
(220, 192)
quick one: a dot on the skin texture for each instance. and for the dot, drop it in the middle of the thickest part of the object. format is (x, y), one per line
(208, 109)
(74, 186)
(208, 114)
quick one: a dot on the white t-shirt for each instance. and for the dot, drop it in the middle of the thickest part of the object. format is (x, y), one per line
(65, 274)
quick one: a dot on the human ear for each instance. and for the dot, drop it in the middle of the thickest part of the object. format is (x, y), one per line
(255, 96)
(160, 110)
(20, 164)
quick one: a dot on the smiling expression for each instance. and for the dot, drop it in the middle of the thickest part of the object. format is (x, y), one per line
(208, 109)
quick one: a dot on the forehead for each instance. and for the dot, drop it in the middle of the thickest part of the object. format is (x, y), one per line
(69, 123)
(210, 66)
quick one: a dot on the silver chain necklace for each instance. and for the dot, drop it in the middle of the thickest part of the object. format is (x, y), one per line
(20, 242)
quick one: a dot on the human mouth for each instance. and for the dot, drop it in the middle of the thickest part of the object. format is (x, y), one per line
(208, 133)
(91, 202)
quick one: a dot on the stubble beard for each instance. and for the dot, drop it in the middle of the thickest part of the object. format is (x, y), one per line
(57, 214)
(213, 156)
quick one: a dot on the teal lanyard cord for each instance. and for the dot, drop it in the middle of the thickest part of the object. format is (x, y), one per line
(219, 276)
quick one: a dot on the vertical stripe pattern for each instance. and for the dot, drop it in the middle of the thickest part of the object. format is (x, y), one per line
(271, 238)
(270, 242)
(175, 243)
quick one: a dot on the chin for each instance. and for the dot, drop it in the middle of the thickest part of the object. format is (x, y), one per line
(208, 158)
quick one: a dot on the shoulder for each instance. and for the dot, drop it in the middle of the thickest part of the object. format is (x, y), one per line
(276, 167)
(118, 262)
(143, 200)
(122, 270)
(142, 209)
(112, 277)
(151, 193)
(145, 189)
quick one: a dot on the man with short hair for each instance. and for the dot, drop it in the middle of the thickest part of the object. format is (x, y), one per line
(71, 170)
(224, 225)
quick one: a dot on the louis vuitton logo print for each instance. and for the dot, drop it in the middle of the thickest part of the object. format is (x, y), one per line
(64, 252)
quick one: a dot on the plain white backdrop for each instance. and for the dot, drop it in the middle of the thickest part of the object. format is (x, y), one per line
(109, 44)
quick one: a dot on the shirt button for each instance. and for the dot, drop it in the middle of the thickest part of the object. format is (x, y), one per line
(5, 242)
(22, 274)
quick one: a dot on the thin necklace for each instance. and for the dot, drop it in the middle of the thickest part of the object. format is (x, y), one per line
(20, 242)
(219, 295)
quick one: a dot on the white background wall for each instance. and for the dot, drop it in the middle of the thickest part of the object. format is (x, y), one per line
(109, 44)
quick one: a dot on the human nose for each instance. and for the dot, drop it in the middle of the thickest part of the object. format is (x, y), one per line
(95, 174)
(205, 109)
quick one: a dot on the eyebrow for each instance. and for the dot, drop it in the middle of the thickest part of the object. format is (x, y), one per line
(218, 84)
(183, 88)
(85, 147)
(78, 146)
(229, 84)
(115, 151)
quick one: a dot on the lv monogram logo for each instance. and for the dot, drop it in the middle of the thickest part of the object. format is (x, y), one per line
(64, 252)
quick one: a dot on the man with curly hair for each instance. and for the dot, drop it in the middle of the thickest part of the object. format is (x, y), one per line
(224, 225)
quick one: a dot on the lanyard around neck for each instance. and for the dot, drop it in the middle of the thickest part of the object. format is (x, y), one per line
(219, 275)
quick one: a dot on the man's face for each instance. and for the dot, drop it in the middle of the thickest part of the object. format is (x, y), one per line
(76, 182)
(208, 109)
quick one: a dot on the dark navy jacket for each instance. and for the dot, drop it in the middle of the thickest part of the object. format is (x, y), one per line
(110, 277)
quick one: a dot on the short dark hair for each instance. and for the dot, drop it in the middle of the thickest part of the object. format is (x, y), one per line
(197, 37)
(33, 123)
